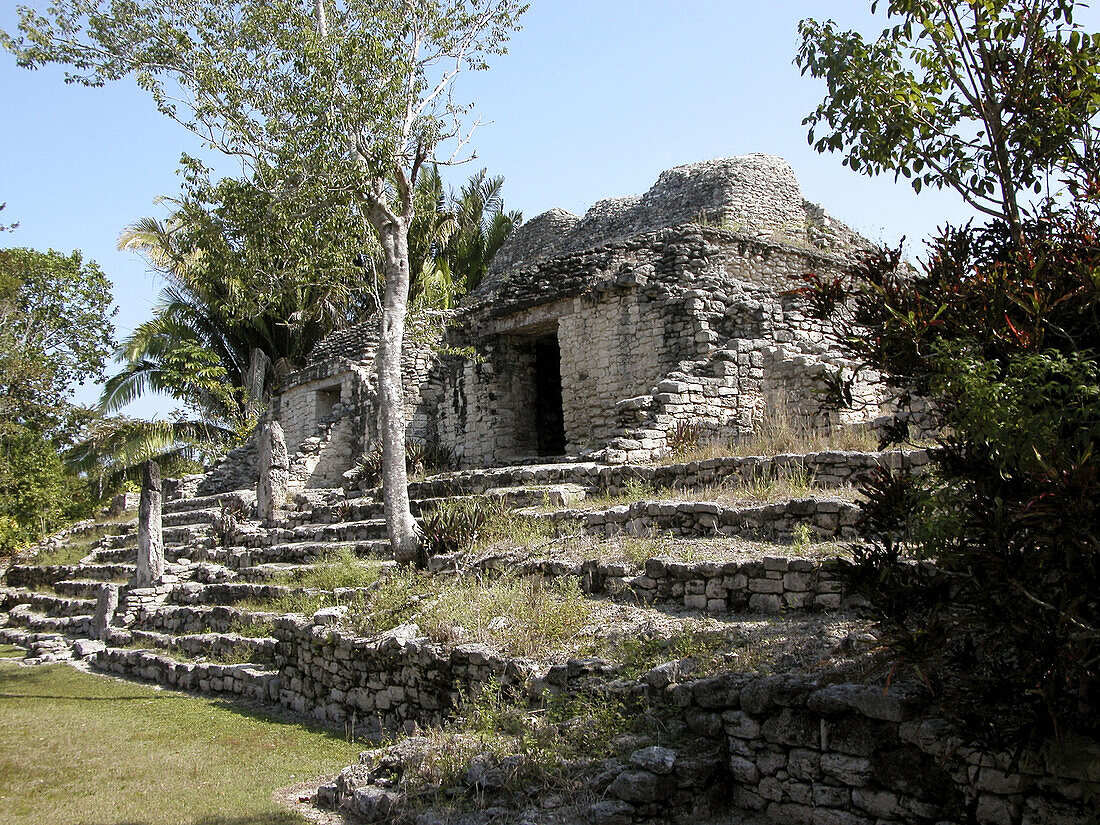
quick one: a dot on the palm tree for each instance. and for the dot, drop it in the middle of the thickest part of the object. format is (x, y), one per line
(453, 237)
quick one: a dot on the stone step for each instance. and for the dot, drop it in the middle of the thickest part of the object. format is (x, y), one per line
(79, 588)
(185, 533)
(112, 571)
(118, 554)
(231, 593)
(50, 604)
(304, 552)
(341, 531)
(476, 482)
(236, 497)
(207, 517)
(30, 575)
(824, 516)
(120, 540)
(222, 646)
(193, 619)
(36, 622)
(251, 680)
(826, 468)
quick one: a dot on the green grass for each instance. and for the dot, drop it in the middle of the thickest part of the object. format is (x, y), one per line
(69, 553)
(77, 748)
(518, 616)
(337, 568)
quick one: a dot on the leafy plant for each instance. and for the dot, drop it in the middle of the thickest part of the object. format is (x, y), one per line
(684, 436)
(455, 525)
(1003, 335)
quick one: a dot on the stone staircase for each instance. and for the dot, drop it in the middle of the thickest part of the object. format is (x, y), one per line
(220, 558)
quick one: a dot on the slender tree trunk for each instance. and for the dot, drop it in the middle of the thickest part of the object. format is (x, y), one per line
(400, 525)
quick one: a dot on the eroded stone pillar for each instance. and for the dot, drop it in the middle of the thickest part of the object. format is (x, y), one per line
(274, 470)
(105, 608)
(150, 560)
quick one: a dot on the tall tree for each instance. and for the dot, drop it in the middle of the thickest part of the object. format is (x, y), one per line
(358, 93)
(55, 333)
(986, 97)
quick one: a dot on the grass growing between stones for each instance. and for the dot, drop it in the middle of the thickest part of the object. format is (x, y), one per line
(338, 568)
(548, 749)
(69, 553)
(78, 748)
(778, 434)
(519, 617)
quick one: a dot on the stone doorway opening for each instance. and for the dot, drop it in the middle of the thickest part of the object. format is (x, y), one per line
(549, 412)
(326, 399)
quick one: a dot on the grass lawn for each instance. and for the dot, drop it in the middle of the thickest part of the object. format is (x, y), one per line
(78, 748)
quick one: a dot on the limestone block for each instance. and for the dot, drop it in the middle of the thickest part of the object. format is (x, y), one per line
(150, 558)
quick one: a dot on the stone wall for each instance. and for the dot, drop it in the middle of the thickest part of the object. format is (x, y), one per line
(601, 335)
(237, 471)
(823, 517)
(328, 410)
(678, 326)
(824, 469)
(393, 681)
(795, 749)
(756, 194)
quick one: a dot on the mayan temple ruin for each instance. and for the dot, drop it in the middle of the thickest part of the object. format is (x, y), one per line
(597, 337)
(611, 625)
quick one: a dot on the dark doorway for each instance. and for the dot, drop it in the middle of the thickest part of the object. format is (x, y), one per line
(549, 417)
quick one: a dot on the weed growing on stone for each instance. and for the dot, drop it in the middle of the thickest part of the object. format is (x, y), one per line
(803, 538)
(335, 569)
(496, 731)
(691, 640)
(293, 602)
(518, 616)
(777, 434)
(253, 629)
(71, 552)
(633, 490)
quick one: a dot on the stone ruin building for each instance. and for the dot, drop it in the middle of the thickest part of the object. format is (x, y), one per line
(599, 336)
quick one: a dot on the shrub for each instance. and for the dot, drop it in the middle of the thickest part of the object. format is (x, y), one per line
(1004, 336)
(455, 525)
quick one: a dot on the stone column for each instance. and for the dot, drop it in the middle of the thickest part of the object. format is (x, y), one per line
(150, 560)
(274, 470)
(105, 608)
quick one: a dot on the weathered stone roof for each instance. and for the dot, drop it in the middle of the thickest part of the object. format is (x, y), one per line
(755, 195)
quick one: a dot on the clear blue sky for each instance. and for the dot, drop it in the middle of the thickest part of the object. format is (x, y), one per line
(594, 100)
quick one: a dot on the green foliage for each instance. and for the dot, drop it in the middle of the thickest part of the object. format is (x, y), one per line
(37, 493)
(455, 525)
(986, 97)
(453, 237)
(264, 265)
(55, 332)
(1003, 336)
(110, 450)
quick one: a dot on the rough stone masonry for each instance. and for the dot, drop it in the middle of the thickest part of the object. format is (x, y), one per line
(603, 336)
(150, 556)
